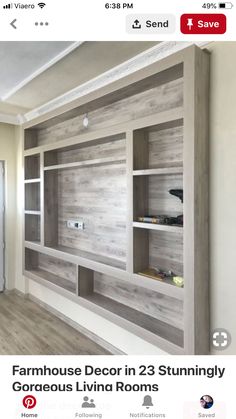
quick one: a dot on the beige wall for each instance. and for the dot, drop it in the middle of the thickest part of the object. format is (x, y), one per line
(222, 215)
(8, 155)
(223, 188)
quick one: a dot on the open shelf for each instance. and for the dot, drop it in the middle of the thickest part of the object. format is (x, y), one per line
(32, 226)
(152, 198)
(115, 263)
(53, 279)
(164, 330)
(33, 181)
(32, 197)
(159, 227)
(55, 271)
(146, 309)
(101, 151)
(32, 167)
(159, 147)
(95, 194)
(172, 170)
(158, 250)
(86, 163)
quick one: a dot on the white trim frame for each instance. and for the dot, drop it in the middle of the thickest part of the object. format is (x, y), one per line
(2, 226)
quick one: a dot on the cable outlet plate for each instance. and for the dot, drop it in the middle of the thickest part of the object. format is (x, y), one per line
(75, 224)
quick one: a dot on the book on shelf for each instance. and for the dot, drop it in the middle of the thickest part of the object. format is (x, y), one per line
(162, 219)
(153, 219)
(152, 273)
(161, 275)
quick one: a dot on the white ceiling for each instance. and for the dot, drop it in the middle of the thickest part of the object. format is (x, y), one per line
(34, 73)
(20, 60)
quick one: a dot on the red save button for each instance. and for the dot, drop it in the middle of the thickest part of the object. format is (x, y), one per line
(204, 23)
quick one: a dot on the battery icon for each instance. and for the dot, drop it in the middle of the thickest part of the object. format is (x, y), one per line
(226, 5)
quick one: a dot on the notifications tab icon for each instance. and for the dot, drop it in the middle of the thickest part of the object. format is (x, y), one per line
(203, 24)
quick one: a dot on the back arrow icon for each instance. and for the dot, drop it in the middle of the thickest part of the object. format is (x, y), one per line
(13, 23)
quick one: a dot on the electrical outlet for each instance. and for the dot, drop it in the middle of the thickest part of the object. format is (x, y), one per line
(75, 224)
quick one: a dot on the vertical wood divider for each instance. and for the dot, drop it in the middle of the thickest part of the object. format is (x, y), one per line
(42, 198)
(129, 223)
(77, 278)
(196, 304)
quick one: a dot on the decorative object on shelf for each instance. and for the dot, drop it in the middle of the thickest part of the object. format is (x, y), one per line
(153, 219)
(161, 219)
(158, 274)
(152, 273)
(179, 281)
(179, 193)
(86, 121)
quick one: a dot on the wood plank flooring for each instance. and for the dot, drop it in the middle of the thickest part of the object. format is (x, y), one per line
(28, 329)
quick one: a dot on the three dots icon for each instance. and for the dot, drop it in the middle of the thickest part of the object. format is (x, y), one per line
(41, 23)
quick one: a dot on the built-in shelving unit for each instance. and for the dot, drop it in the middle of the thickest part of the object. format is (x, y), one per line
(145, 138)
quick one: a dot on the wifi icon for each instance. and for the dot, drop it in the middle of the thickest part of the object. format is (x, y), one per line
(41, 5)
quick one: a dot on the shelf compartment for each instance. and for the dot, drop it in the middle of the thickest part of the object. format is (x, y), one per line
(32, 227)
(107, 150)
(32, 197)
(152, 197)
(97, 196)
(159, 147)
(55, 271)
(159, 314)
(160, 93)
(105, 260)
(159, 227)
(32, 167)
(172, 170)
(158, 250)
(86, 163)
(30, 139)
(28, 181)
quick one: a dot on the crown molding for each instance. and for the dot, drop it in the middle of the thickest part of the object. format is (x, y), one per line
(11, 119)
(150, 56)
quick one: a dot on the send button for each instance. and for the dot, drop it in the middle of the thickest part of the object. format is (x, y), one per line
(150, 24)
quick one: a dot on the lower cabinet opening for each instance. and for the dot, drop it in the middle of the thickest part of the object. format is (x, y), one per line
(51, 269)
(155, 312)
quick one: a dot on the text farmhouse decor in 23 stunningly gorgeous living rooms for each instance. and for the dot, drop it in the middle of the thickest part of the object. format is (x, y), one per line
(89, 189)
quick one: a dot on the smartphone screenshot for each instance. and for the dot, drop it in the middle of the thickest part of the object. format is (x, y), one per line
(117, 209)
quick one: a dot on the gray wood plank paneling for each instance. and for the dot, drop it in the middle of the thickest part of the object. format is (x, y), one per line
(32, 227)
(97, 195)
(57, 267)
(146, 301)
(166, 331)
(32, 167)
(166, 251)
(158, 99)
(160, 200)
(166, 147)
(32, 196)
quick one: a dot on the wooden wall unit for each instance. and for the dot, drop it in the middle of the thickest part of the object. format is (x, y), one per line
(147, 134)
